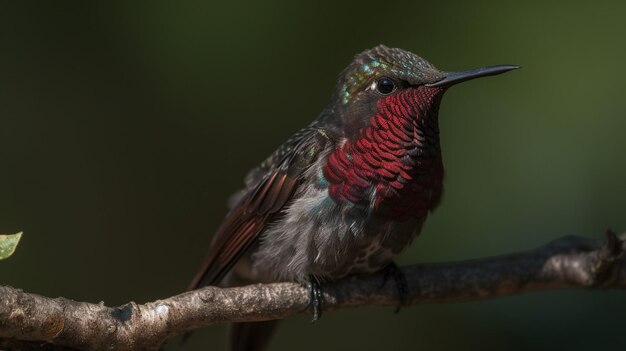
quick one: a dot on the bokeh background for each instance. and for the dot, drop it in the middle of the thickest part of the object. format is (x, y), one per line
(125, 126)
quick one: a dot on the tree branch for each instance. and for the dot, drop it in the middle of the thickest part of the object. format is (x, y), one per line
(570, 262)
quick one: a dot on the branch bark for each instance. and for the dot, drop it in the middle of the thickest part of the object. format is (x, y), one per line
(570, 262)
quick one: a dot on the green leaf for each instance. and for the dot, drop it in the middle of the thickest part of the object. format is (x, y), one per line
(8, 243)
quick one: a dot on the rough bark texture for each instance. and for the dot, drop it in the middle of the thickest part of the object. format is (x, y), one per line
(30, 321)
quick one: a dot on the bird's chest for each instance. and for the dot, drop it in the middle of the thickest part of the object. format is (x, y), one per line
(356, 241)
(319, 237)
(396, 182)
(411, 194)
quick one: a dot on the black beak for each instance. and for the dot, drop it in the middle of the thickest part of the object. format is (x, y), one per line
(452, 78)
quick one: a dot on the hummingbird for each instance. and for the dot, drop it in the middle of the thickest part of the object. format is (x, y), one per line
(345, 194)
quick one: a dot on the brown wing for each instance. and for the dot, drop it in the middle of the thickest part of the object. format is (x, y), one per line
(278, 177)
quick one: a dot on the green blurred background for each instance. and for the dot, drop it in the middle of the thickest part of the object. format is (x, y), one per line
(125, 126)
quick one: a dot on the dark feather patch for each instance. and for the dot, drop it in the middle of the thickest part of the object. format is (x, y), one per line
(276, 181)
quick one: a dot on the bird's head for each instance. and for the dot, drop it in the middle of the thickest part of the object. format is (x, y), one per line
(397, 81)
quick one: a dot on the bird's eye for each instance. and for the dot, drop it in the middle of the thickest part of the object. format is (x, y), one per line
(385, 86)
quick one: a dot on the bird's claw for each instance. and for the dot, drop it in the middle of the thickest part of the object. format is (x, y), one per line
(316, 298)
(393, 271)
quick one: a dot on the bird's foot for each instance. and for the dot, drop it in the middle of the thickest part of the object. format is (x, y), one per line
(316, 298)
(393, 271)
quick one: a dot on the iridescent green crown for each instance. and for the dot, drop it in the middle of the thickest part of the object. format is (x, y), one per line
(383, 61)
